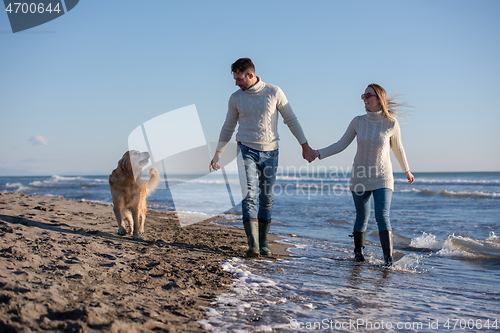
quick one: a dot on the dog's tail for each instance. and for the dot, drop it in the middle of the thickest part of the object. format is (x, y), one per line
(153, 181)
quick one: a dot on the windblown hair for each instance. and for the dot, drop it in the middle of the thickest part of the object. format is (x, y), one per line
(390, 108)
(243, 65)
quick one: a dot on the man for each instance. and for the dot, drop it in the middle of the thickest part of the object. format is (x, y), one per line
(255, 107)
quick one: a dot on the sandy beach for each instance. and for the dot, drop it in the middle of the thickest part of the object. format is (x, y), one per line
(63, 268)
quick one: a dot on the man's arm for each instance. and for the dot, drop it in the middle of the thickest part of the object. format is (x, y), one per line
(230, 123)
(226, 133)
(293, 124)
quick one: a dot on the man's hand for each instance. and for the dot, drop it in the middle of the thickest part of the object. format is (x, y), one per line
(214, 164)
(308, 153)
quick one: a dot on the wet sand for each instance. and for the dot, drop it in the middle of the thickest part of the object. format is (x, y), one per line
(64, 268)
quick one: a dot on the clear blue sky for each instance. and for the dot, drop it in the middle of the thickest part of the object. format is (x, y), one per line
(73, 89)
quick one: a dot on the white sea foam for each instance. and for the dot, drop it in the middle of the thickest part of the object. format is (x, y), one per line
(456, 194)
(57, 180)
(98, 202)
(13, 185)
(245, 300)
(237, 267)
(451, 182)
(493, 238)
(426, 241)
(232, 217)
(409, 263)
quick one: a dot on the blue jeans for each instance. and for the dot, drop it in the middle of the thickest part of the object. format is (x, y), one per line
(259, 166)
(382, 200)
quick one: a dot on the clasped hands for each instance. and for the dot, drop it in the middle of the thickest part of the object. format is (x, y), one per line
(308, 153)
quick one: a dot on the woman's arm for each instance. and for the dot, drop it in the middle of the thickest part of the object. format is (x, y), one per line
(410, 177)
(340, 145)
(399, 152)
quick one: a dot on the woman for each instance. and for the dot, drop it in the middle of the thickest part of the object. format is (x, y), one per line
(377, 132)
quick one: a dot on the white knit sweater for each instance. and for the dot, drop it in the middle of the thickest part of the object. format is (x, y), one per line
(256, 111)
(372, 167)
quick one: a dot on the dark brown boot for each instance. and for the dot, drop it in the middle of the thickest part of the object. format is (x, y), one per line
(252, 231)
(359, 245)
(387, 247)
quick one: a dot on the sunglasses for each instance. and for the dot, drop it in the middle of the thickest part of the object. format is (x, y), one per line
(363, 96)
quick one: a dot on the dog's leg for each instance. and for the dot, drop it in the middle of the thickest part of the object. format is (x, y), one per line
(119, 220)
(130, 220)
(142, 210)
(143, 220)
(135, 215)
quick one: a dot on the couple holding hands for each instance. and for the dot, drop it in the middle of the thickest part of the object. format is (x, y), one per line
(255, 109)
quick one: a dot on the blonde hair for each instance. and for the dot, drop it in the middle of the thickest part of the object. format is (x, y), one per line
(390, 108)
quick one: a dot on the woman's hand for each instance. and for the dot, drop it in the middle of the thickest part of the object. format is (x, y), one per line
(316, 154)
(410, 177)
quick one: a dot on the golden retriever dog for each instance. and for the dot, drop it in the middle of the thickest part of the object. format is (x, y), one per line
(129, 191)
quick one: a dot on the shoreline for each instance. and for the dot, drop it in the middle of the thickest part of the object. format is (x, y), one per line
(64, 267)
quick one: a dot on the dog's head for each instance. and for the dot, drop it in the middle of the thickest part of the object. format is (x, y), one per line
(133, 161)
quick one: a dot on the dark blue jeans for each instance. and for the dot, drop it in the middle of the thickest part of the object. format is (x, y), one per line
(382, 199)
(258, 180)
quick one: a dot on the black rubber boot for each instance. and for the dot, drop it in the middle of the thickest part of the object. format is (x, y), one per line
(359, 245)
(386, 243)
(252, 230)
(263, 230)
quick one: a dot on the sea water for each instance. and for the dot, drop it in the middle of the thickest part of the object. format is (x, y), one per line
(446, 274)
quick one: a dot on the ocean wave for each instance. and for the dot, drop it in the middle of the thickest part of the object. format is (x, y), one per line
(68, 182)
(57, 180)
(281, 181)
(313, 187)
(173, 181)
(314, 179)
(453, 194)
(466, 182)
(421, 181)
(17, 187)
(13, 185)
(460, 246)
(66, 178)
(57, 186)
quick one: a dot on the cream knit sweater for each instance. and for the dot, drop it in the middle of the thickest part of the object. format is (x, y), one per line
(372, 167)
(256, 111)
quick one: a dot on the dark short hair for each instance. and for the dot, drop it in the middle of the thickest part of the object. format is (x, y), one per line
(242, 65)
